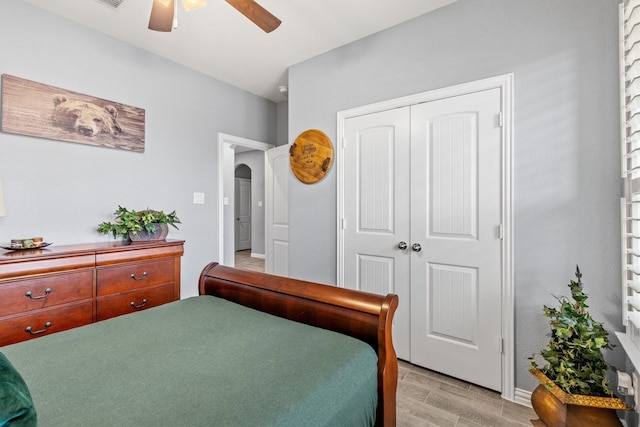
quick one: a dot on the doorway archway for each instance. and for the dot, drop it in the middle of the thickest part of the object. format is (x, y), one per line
(228, 145)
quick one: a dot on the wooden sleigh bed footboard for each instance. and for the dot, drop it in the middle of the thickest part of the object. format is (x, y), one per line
(364, 316)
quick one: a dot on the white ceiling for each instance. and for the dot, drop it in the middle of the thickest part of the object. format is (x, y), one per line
(220, 42)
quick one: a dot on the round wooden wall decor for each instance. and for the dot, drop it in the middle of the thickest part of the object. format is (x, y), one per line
(311, 156)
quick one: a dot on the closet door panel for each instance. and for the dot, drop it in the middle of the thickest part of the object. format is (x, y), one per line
(376, 211)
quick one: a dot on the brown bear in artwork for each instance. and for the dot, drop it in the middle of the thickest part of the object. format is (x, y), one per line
(85, 118)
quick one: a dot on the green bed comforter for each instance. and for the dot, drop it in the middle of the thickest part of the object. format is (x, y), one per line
(201, 361)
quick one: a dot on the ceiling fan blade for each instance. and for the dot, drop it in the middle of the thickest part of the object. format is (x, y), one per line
(256, 13)
(162, 15)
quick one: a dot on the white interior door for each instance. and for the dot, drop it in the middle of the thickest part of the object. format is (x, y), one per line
(456, 280)
(277, 211)
(243, 213)
(376, 211)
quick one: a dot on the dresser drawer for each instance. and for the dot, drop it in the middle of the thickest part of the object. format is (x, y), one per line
(130, 302)
(112, 280)
(36, 292)
(45, 322)
(62, 287)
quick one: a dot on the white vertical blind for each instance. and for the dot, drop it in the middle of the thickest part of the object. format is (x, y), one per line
(630, 204)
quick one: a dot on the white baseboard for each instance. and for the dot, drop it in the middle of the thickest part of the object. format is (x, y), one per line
(258, 255)
(522, 397)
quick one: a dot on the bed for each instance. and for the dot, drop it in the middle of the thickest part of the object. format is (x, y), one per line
(252, 350)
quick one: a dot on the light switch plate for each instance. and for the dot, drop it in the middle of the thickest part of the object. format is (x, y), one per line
(198, 198)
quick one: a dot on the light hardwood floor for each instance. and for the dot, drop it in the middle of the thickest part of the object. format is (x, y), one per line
(244, 261)
(429, 399)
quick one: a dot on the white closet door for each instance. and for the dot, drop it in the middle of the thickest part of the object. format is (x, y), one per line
(429, 176)
(376, 211)
(455, 218)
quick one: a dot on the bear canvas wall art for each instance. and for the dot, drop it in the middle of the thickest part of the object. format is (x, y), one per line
(35, 109)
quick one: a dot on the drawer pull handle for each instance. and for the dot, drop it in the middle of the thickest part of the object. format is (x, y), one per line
(30, 294)
(32, 332)
(133, 276)
(136, 306)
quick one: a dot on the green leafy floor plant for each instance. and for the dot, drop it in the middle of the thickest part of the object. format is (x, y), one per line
(573, 390)
(574, 357)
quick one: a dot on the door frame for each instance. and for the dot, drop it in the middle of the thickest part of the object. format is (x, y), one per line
(505, 84)
(228, 143)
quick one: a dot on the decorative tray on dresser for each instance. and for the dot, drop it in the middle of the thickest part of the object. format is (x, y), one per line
(48, 290)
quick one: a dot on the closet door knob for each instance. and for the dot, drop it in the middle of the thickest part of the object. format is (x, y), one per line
(416, 247)
(402, 246)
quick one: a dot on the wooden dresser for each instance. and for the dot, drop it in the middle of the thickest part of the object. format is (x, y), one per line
(48, 290)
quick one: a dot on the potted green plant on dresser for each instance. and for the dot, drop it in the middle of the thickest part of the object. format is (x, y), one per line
(135, 225)
(573, 390)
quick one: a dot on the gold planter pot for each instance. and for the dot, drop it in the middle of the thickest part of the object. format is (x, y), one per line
(559, 409)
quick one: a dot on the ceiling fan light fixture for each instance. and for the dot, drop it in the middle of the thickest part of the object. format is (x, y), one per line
(162, 12)
(193, 4)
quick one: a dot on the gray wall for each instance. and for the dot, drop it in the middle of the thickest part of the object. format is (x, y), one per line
(566, 145)
(62, 190)
(283, 123)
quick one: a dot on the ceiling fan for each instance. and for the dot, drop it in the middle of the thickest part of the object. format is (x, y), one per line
(163, 11)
